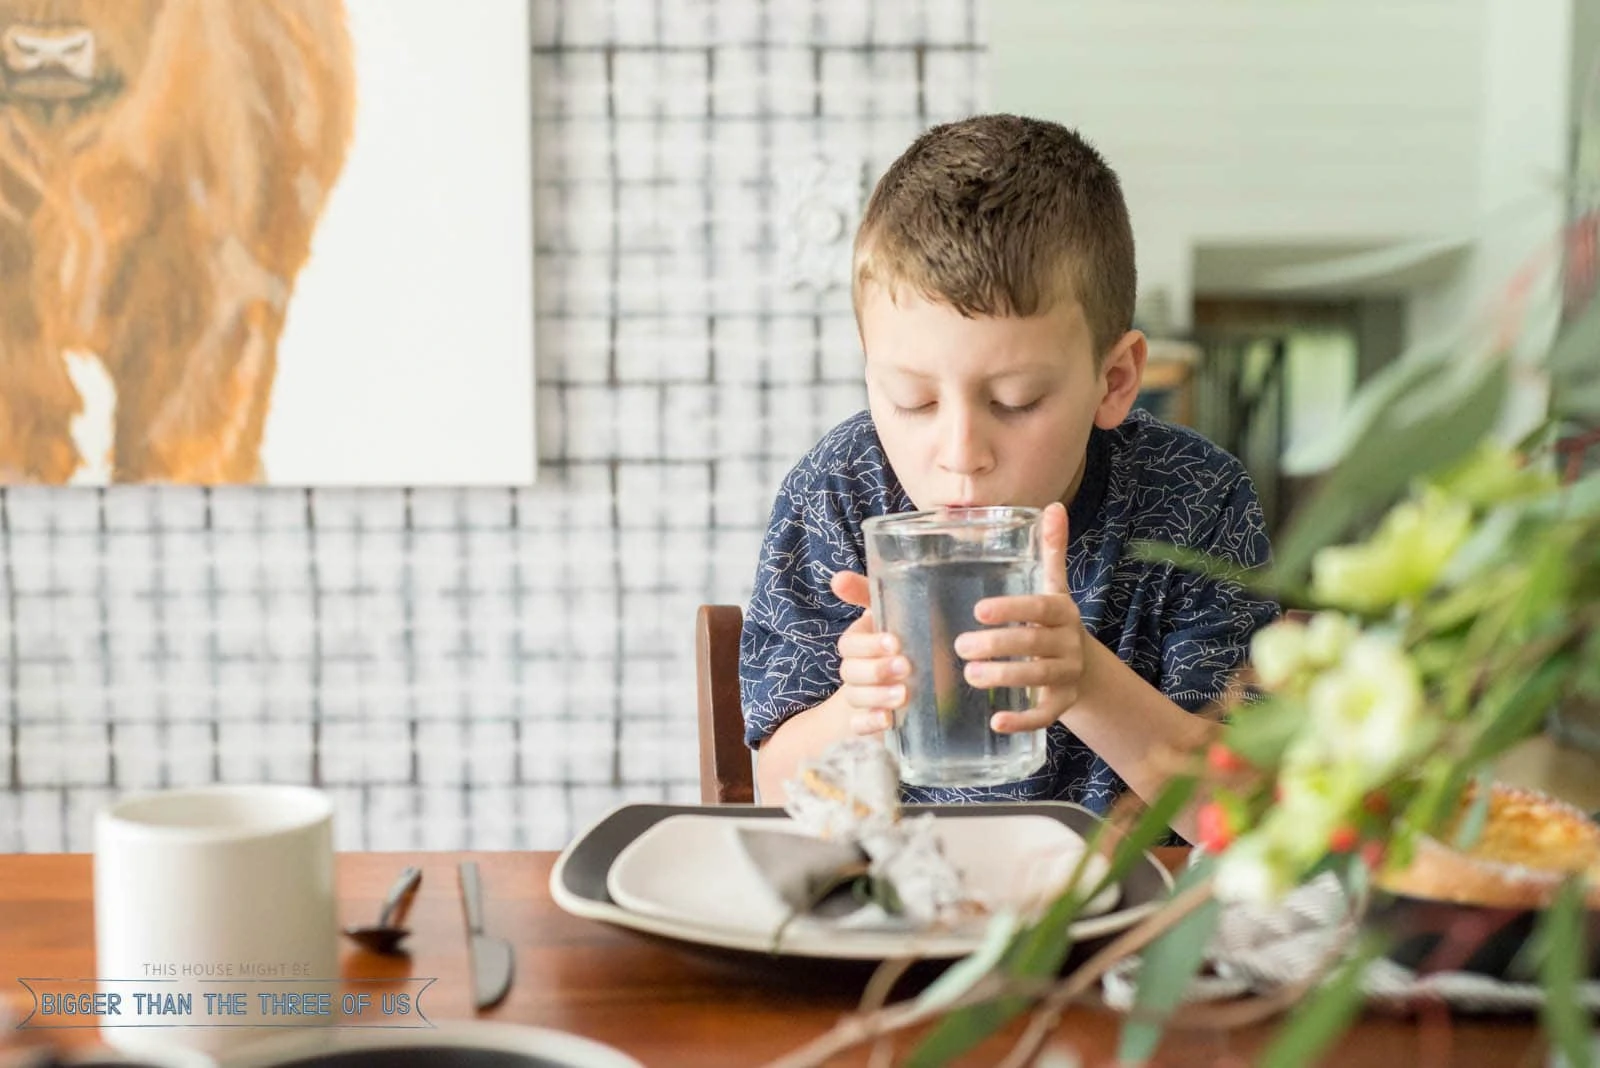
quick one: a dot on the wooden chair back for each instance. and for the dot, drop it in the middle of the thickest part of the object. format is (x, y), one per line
(727, 775)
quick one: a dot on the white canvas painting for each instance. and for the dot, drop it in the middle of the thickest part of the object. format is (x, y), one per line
(283, 241)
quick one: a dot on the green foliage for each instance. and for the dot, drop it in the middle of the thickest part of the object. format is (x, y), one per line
(1038, 951)
(1457, 586)
(1260, 732)
(1168, 967)
(1426, 415)
(1319, 1020)
(1561, 946)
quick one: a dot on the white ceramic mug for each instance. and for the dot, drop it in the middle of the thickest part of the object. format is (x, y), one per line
(217, 890)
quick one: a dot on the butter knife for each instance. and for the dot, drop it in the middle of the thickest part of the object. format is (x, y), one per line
(491, 957)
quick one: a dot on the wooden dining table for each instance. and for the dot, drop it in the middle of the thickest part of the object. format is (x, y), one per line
(664, 1003)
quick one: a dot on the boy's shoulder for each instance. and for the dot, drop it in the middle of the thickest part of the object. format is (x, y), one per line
(849, 456)
(1154, 451)
(1171, 483)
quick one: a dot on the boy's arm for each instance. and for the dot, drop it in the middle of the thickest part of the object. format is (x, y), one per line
(1131, 724)
(800, 737)
(1135, 728)
(1139, 730)
(790, 662)
(871, 686)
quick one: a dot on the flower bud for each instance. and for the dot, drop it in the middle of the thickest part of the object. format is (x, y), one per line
(1224, 761)
(1343, 839)
(1216, 830)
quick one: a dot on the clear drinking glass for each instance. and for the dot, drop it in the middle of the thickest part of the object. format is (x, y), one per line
(927, 571)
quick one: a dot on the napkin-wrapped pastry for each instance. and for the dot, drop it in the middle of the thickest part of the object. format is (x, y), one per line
(848, 798)
(850, 792)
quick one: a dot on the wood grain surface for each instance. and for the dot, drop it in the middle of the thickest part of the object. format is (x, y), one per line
(663, 1002)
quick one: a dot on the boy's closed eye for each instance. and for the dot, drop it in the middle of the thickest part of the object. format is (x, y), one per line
(999, 407)
(1015, 409)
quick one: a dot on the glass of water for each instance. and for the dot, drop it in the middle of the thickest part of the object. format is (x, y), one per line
(927, 571)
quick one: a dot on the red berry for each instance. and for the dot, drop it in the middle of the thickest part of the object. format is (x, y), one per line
(1377, 803)
(1343, 839)
(1372, 854)
(1215, 832)
(1224, 760)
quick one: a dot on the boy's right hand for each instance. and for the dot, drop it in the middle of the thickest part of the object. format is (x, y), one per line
(872, 673)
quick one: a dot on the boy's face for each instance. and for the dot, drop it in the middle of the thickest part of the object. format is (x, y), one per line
(989, 411)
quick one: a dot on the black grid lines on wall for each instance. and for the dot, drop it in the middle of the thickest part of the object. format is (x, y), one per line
(496, 668)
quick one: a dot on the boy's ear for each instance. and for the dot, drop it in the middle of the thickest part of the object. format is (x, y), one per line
(1121, 374)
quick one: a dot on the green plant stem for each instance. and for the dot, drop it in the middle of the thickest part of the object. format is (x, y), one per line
(854, 1030)
(875, 996)
(857, 1029)
(1048, 1015)
(882, 982)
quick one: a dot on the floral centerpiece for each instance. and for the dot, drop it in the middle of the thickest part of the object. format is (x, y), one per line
(1447, 588)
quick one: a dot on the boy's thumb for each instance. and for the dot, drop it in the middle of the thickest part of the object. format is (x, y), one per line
(851, 588)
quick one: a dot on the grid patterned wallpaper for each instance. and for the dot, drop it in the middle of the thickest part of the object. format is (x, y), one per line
(496, 668)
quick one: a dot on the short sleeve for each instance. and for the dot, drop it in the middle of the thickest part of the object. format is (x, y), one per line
(788, 650)
(1209, 623)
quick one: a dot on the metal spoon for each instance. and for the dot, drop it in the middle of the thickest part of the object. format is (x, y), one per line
(386, 934)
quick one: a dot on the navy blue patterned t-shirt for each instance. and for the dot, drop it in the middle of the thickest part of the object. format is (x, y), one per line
(1144, 481)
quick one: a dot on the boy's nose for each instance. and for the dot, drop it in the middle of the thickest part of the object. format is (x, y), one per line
(963, 444)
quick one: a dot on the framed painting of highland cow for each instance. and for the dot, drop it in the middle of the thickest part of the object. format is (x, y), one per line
(280, 241)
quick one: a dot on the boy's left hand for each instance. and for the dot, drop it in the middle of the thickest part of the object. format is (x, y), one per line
(1052, 639)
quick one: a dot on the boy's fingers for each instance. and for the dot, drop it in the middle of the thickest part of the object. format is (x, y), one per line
(862, 642)
(872, 722)
(881, 697)
(1045, 610)
(864, 624)
(878, 671)
(1013, 722)
(983, 674)
(1053, 535)
(851, 588)
(1010, 641)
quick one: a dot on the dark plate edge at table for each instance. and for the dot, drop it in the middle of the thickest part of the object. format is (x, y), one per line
(578, 879)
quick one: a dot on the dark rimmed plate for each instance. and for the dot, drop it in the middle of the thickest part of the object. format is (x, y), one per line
(578, 880)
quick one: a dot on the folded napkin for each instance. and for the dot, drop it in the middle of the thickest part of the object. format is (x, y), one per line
(1257, 949)
(858, 860)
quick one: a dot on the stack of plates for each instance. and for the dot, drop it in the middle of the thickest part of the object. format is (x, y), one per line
(679, 871)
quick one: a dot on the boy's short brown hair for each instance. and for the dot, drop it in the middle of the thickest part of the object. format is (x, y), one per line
(1003, 215)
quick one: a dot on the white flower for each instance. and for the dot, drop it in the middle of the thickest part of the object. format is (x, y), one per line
(1367, 710)
(1328, 635)
(1248, 871)
(1278, 653)
(1314, 797)
(1286, 653)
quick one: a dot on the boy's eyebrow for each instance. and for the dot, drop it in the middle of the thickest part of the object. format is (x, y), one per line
(1020, 372)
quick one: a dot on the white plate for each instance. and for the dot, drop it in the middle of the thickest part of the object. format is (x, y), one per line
(686, 877)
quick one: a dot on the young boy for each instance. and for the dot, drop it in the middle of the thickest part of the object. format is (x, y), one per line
(994, 290)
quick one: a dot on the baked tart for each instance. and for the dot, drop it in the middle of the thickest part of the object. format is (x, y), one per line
(1531, 843)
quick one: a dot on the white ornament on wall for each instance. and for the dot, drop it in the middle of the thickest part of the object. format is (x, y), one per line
(819, 203)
